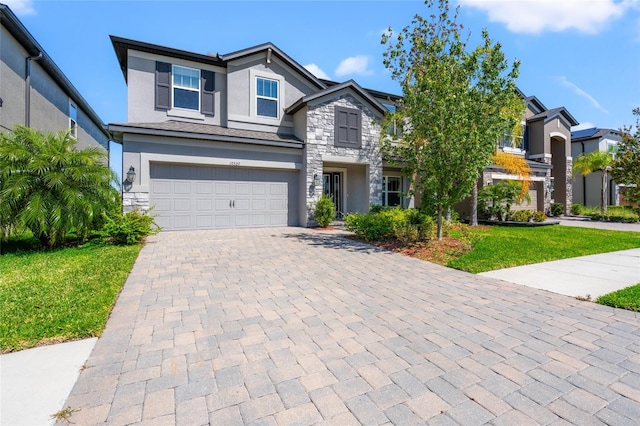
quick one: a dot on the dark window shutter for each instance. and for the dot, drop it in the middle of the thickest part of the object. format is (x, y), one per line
(163, 85)
(348, 127)
(207, 89)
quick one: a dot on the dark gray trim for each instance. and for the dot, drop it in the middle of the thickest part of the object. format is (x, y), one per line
(344, 128)
(553, 113)
(122, 45)
(119, 129)
(207, 92)
(372, 92)
(163, 86)
(349, 85)
(33, 48)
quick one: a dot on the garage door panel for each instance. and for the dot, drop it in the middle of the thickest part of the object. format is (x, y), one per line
(161, 187)
(204, 188)
(258, 188)
(197, 197)
(204, 205)
(182, 222)
(204, 221)
(181, 204)
(259, 204)
(162, 205)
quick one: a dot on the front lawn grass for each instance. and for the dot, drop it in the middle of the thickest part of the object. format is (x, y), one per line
(503, 247)
(58, 295)
(627, 298)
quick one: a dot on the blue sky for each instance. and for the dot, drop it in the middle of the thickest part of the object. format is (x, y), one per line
(581, 54)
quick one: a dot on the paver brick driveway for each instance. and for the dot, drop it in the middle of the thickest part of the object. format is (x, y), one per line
(294, 326)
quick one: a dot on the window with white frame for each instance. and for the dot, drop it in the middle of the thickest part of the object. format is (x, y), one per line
(267, 97)
(391, 189)
(186, 88)
(73, 120)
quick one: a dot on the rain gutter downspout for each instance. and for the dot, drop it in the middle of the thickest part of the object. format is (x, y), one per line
(27, 88)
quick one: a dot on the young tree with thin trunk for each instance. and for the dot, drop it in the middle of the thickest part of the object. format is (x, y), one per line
(453, 105)
(592, 162)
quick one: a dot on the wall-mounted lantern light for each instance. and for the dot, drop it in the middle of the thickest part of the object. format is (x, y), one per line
(316, 179)
(131, 175)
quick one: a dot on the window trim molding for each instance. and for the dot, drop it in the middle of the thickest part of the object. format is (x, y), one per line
(385, 190)
(253, 96)
(73, 129)
(354, 145)
(173, 87)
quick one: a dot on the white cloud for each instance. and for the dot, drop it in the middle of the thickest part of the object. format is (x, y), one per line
(21, 7)
(354, 65)
(315, 70)
(536, 16)
(582, 126)
(563, 80)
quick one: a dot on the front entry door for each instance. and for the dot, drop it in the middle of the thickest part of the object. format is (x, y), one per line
(332, 186)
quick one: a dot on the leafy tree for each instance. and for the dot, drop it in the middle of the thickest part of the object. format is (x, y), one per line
(587, 163)
(456, 104)
(50, 187)
(625, 169)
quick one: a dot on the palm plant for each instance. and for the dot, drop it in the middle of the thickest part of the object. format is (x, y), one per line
(51, 188)
(592, 162)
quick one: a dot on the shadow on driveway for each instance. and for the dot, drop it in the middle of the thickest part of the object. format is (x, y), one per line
(335, 241)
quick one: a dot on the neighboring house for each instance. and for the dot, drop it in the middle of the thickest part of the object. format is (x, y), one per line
(35, 93)
(245, 139)
(546, 145)
(587, 189)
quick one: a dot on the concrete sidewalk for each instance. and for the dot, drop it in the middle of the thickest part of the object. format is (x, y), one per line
(35, 383)
(584, 276)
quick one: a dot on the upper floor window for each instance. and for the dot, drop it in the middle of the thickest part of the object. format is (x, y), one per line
(267, 97)
(186, 88)
(348, 127)
(73, 120)
(510, 140)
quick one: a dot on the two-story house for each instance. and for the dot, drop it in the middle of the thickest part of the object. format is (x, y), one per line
(587, 189)
(546, 146)
(246, 139)
(35, 93)
(251, 138)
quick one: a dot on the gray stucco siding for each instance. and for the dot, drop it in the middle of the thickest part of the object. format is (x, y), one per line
(49, 110)
(141, 91)
(12, 68)
(241, 75)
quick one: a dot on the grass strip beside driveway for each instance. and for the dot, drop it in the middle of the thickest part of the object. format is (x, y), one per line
(504, 247)
(60, 295)
(626, 298)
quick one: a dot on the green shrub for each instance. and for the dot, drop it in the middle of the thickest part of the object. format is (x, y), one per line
(325, 212)
(128, 228)
(539, 216)
(370, 226)
(576, 209)
(521, 216)
(616, 215)
(406, 225)
(557, 209)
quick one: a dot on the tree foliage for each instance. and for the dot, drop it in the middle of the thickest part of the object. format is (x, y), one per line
(456, 104)
(50, 187)
(515, 165)
(587, 163)
(625, 169)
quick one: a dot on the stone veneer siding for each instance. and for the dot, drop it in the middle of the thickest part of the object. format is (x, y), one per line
(135, 201)
(320, 142)
(569, 188)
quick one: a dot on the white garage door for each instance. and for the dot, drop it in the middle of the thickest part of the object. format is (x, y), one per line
(196, 197)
